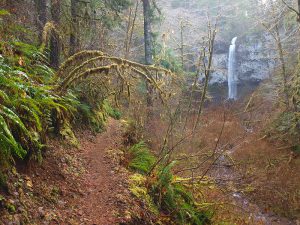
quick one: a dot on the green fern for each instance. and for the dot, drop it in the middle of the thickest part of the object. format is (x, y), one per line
(112, 112)
(142, 159)
(9, 146)
(175, 199)
(28, 105)
(14, 119)
(170, 197)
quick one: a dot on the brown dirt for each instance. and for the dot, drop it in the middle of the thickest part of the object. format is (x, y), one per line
(73, 186)
(102, 184)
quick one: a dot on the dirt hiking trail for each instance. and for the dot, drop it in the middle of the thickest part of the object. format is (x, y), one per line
(98, 205)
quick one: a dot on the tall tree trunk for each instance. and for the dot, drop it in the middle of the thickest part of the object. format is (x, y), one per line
(74, 41)
(148, 44)
(147, 32)
(282, 65)
(41, 7)
(130, 29)
(280, 51)
(94, 33)
(182, 44)
(54, 40)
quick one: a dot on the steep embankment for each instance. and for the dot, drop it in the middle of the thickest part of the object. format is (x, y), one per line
(257, 174)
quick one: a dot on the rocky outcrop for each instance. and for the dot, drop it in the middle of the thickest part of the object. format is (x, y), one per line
(253, 60)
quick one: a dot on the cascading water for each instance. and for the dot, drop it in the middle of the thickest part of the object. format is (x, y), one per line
(232, 76)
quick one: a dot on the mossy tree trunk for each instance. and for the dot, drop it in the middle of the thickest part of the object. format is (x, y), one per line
(282, 65)
(54, 39)
(41, 7)
(74, 40)
(148, 44)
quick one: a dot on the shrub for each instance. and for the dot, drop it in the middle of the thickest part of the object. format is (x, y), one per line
(175, 199)
(170, 197)
(112, 112)
(285, 128)
(141, 158)
(29, 107)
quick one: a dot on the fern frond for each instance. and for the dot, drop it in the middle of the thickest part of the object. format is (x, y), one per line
(142, 159)
(8, 142)
(9, 114)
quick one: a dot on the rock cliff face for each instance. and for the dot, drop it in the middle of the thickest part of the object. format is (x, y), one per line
(253, 61)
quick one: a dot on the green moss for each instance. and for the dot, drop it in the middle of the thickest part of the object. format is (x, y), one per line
(67, 133)
(138, 189)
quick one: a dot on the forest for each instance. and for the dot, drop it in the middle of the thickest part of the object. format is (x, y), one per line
(140, 112)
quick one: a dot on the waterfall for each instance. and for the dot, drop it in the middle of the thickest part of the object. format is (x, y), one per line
(232, 76)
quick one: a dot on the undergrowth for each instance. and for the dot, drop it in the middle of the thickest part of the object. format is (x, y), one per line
(31, 108)
(96, 116)
(141, 158)
(164, 195)
(286, 127)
